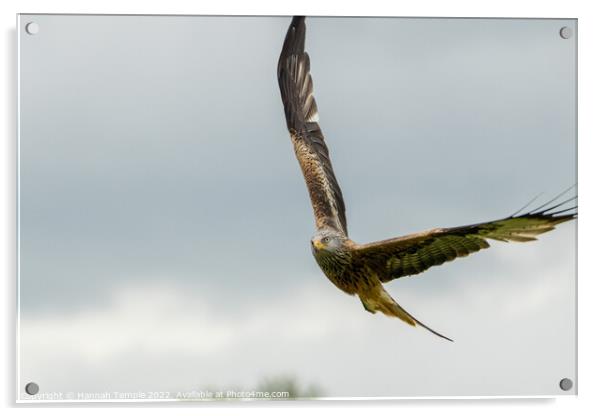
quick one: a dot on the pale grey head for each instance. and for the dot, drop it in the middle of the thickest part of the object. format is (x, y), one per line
(327, 240)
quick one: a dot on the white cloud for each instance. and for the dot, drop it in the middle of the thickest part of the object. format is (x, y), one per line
(171, 337)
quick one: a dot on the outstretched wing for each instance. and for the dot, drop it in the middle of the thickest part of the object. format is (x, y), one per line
(296, 89)
(416, 253)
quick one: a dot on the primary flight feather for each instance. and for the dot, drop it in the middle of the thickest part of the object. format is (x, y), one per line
(361, 269)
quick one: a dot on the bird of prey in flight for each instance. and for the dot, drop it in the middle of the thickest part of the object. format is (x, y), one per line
(361, 269)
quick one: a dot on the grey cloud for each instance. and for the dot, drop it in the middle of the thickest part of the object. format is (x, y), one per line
(154, 151)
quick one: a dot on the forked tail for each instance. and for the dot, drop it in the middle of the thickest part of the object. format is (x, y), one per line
(380, 300)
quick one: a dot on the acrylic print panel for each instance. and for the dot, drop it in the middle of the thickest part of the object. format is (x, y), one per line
(165, 225)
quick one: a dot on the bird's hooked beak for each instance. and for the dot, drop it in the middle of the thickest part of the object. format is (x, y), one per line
(318, 244)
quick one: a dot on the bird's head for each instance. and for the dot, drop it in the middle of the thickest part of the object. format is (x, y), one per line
(327, 239)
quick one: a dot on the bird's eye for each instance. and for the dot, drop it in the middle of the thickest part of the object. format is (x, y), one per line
(326, 240)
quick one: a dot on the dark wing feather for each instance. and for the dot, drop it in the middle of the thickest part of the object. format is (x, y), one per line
(301, 112)
(416, 253)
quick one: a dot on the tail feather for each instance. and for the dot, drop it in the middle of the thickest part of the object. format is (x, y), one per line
(383, 302)
(404, 313)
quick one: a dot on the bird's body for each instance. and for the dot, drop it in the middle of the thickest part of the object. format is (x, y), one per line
(361, 269)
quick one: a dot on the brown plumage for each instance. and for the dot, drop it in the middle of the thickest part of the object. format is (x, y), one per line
(361, 269)
(301, 112)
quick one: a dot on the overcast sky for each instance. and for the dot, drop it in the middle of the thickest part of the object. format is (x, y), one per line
(165, 224)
